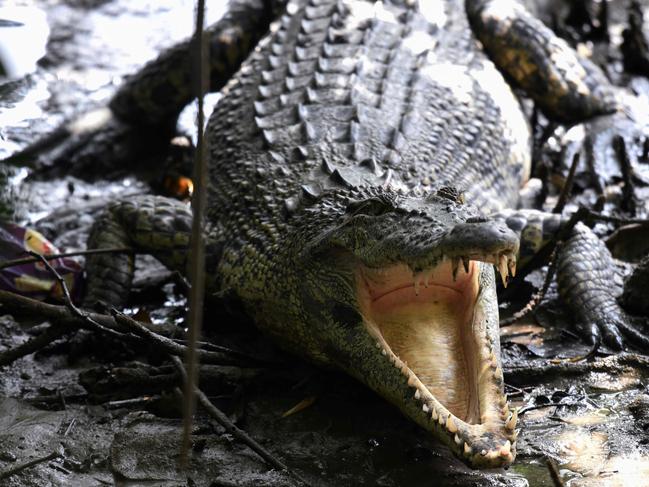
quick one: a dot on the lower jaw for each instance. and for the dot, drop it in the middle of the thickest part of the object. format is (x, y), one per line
(449, 397)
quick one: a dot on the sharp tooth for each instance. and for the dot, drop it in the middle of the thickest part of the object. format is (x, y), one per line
(467, 450)
(456, 266)
(502, 268)
(434, 415)
(440, 419)
(465, 262)
(412, 382)
(493, 361)
(458, 440)
(450, 424)
(425, 408)
(384, 352)
(417, 394)
(505, 412)
(506, 449)
(378, 345)
(511, 422)
(511, 263)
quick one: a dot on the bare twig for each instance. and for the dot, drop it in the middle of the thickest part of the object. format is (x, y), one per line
(197, 244)
(567, 186)
(554, 472)
(24, 466)
(169, 346)
(28, 260)
(229, 426)
(538, 297)
(540, 370)
(125, 327)
(628, 193)
(32, 345)
(71, 306)
(136, 401)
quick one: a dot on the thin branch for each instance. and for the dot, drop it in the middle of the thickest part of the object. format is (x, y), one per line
(538, 297)
(567, 187)
(28, 260)
(32, 345)
(628, 193)
(554, 469)
(24, 466)
(70, 305)
(169, 346)
(197, 244)
(125, 327)
(229, 426)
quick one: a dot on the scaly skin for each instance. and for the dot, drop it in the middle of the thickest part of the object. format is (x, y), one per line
(334, 154)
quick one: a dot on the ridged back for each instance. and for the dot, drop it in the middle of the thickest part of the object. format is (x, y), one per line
(346, 93)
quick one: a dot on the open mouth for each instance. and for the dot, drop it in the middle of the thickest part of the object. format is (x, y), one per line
(437, 328)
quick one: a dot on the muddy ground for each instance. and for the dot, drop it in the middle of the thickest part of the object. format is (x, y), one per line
(100, 407)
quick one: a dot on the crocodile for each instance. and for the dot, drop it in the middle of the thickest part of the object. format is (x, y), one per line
(366, 159)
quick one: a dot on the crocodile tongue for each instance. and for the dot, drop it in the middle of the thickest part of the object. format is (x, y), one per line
(439, 334)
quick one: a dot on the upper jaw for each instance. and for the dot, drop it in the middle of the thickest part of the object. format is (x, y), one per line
(483, 438)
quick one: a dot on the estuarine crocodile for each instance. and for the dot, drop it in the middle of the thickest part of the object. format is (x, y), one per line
(366, 160)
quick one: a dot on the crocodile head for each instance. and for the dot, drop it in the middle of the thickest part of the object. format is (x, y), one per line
(400, 293)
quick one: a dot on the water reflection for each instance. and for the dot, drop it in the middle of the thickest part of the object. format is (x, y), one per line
(23, 36)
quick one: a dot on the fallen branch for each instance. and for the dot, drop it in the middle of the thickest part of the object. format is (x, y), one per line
(229, 426)
(224, 357)
(125, 328)
(24, 466)
(32, 345)
(536, 372)
(85, 317)
(538, 297)
(78, 253)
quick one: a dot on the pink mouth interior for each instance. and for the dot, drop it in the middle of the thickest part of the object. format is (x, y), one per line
(429, 328)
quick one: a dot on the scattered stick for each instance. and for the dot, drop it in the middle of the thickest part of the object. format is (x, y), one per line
(554, 472)
(534, 407)
(28, 260)
(32, 345)
(538, 297)
(70, 305)
(136, 401)
(629, 200)
(124, 328)
(201, 78)
(536, 372)
(224, 357)
(230, 427)
(566, 191)
(24, 466)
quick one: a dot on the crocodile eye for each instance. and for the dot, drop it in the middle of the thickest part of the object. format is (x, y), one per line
(370, 206)
(451, 193)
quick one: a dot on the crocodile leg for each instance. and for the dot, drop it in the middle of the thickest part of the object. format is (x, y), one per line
(141, 117)
(161, 89)
(568, 87)
(148, 224)
(588, 280)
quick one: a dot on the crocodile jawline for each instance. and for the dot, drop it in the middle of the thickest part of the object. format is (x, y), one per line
(434, 332)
